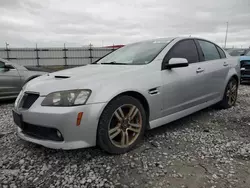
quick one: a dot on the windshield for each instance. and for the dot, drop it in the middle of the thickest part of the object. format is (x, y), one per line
(248, 53)
(135, 54)
(237, 52)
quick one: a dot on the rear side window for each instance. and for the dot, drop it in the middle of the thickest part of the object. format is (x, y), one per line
(183, 49)
(222, 53)
(209, 50)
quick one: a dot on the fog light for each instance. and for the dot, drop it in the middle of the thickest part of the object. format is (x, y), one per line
(59, 134)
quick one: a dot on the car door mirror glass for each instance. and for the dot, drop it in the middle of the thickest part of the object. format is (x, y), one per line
(176, 62)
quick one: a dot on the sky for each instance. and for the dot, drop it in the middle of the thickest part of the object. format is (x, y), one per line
(51, 23)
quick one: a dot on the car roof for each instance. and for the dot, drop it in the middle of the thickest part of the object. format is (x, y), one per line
(169, 39)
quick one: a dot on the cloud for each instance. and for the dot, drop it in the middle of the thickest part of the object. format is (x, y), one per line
(77, 22)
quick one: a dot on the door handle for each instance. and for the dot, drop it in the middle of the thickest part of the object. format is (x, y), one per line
(225, 64)
(199, 70)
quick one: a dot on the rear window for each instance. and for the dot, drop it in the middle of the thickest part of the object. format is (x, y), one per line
(248, 53)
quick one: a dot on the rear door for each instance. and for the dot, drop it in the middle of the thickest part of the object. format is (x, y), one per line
(182, 87)
(10, 81)
(216, 69)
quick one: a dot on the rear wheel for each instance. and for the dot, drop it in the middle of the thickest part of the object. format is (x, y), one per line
(230, 94)
(121, 125)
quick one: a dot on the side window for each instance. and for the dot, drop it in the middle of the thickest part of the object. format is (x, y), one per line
(222, 54)
(183, 49)
(209, 50)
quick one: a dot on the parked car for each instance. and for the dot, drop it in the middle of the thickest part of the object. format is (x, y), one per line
(137, 87)
(13, 77)
(245, 66)
(244, 56)
(236, 51)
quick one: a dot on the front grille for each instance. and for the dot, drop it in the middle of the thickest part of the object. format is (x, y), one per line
(245, 64)
(28, 99)
(40, 132)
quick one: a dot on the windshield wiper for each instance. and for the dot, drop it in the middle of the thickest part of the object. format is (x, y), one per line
(114, 63)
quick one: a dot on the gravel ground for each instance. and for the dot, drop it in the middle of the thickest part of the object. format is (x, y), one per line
(210, 148)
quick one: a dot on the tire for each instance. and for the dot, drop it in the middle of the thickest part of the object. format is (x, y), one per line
(226, 101)
(109, 121)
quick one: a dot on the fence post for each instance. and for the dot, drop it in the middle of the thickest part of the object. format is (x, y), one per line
(90, 53)
(65, 55)
(7, 50)
(37, 57)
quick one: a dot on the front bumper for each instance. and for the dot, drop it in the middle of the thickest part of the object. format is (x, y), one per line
(65, 145)
(63, 119)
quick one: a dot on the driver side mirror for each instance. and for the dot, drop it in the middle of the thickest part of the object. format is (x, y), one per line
(3, 67)
(6, 69)
(176, 63)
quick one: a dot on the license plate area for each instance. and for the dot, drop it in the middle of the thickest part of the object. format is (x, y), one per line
(18, 119)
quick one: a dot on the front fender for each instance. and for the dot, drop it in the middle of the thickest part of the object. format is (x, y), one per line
(106, 92)
(30, 78)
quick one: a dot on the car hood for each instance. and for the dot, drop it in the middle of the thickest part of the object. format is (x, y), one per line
(243, 58)
(85, 77)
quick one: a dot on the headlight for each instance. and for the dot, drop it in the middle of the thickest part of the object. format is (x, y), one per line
(19, 97)
(67, 98)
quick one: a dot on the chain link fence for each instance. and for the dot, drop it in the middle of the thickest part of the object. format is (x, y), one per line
(54, 56)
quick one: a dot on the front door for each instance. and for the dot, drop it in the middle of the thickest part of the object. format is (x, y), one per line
(182, 87)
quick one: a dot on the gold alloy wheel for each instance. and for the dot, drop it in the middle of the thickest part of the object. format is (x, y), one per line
(125, 125)
(232, 93)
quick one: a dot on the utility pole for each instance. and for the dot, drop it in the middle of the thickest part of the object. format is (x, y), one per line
(226, 37)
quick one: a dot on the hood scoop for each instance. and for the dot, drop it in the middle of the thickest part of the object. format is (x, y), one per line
(62, 77)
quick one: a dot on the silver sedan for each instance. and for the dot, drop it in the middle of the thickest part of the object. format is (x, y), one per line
(13, 77)
(112, 102)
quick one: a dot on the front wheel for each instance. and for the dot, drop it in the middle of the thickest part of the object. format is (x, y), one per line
(230, 94)
(121, 125)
